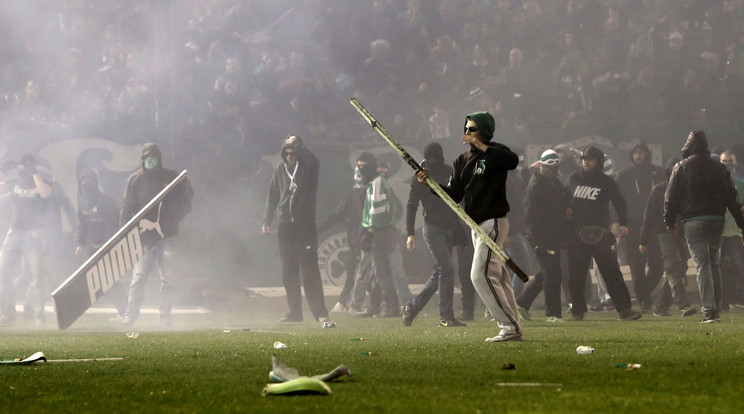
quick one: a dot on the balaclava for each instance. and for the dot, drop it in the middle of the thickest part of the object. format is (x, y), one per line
(369, 172)
(434, 154)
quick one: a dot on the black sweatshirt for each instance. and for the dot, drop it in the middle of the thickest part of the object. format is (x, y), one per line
(591, 195)
(436, 212)
(479, 180)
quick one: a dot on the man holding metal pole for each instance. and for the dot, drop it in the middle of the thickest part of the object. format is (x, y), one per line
(479, 180)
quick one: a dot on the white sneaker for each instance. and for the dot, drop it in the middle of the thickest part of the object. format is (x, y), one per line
(339, 308)
(503, 337)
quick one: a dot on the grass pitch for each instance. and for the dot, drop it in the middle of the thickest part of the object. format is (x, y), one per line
(223, 364)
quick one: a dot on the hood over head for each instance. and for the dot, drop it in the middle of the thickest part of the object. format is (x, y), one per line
(485, 123)
(639, 144)
(697, 143)
(151, 150)
(369, 172)
(294, 145)
(434, 151)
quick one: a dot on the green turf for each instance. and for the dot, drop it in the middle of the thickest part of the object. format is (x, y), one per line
(687, 367)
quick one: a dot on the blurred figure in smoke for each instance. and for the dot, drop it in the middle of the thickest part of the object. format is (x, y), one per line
(349, 210)
(98, 215)
(441, 231)
(56, 245)
(399, 276)
(378, 241)
(293, 191)
(142, 186)
(29, 194)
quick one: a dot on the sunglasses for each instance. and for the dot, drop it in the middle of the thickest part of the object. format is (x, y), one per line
(471, 129)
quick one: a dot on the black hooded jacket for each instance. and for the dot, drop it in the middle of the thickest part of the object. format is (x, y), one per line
(700, 186)
(479, 180)
(143, 185)
(635, 183)
(298, 204)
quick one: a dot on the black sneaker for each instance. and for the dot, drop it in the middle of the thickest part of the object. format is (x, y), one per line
(687, 311)
(450, 323)
(630, 315)
(662, 312)
(408, 315)
(710, 319)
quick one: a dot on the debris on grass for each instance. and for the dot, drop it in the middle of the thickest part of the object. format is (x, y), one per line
(280, 345)
(298, 386)
(584, 350)
(282, 373)
(509, 366)
(629, 366)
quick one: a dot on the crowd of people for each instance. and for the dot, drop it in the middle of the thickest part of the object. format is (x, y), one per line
(228, 74)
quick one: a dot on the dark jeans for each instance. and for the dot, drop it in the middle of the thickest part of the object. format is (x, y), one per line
(704, 240)
(442, 277)
(643, 282)
(298, 249)
(548, 280)
(604, 253)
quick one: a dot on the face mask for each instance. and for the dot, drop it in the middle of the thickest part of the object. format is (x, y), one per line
(150, 163)
(368, 173)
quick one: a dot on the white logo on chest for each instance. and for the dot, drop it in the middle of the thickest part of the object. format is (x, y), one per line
(589, 193)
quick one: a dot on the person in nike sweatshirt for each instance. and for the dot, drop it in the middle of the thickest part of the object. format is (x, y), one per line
(592, 192)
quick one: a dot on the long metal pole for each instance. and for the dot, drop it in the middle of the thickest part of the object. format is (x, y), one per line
(439, 191)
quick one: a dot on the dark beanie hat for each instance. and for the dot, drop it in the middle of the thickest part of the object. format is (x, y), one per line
(27, 159)
(593, 153)
(485, 123)
(433, 151)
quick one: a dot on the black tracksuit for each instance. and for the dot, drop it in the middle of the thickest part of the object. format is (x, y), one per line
(590, 235)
